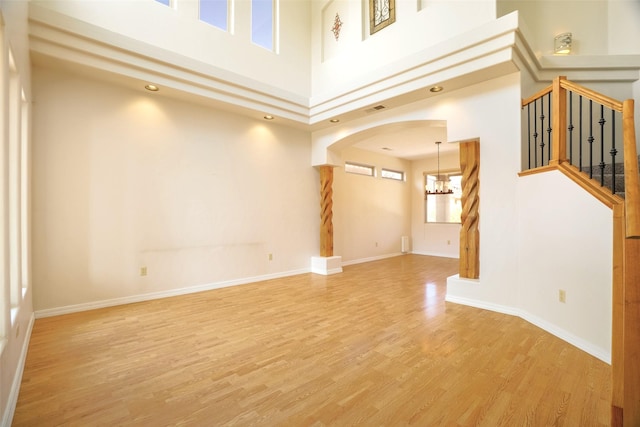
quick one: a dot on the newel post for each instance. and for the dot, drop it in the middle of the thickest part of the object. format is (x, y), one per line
(559, 122)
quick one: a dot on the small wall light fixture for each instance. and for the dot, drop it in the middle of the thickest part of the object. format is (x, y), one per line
(562, 44)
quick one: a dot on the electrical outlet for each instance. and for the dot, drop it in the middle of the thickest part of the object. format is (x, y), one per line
(143, 271)
(270, 257)
(562, 295)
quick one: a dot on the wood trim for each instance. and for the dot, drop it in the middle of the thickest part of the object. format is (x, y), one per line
(559, 122)
(631, 330)
(326, 211)
(469, 233)
(535, 171)
(591, 186)
(631, 177)
(617, 320)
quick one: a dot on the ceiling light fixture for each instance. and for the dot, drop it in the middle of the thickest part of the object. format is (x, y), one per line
(268, 117)
(334, 120)
(441, 185)
(436, 89)
(152, 88)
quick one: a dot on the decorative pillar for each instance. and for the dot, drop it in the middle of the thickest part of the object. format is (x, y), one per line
(326, 211)
(326, 263)
(470, 234)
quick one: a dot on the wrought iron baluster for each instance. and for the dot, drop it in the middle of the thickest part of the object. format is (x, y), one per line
(549, 128)
(529, 133)
(602, 121)
(570, 128)
(613, 151)
(590, 139)
(535, 133)
(580, 145)
(542, 129)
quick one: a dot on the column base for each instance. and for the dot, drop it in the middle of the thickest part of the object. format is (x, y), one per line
(326, 265)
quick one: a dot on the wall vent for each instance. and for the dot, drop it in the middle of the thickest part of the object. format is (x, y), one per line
(374, 109)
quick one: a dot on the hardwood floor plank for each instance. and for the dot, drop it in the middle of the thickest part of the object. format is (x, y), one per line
(375, 345)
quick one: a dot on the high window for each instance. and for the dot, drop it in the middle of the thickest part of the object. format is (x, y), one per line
(359, 169)
(165, 2)
(391, 174)
(262, 19)
(215, 12)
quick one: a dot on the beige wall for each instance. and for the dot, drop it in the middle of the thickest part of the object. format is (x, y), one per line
(126, 179)
(370, 213)
(599, 27)
(432, 239)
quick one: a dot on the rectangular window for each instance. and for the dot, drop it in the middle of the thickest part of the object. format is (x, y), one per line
(443, 195)
(262, 23)
(215, 12)
(359, 169)
(165, 2)
(391, 174)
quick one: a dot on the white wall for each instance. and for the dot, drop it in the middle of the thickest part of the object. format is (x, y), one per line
(565, 242)
(428, 238)
(489, 111)
(125, 179)
(599, 27)
(17, 313)
(357, 56)
(179, 31)
(370, 213)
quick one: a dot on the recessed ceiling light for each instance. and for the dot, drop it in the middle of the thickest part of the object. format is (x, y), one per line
(334, 120)
(436, 89)
(152, 88)
(268, 117)
(387, 149)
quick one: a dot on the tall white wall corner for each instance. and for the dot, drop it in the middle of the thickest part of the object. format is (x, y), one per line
(406, 248)
(326, 265)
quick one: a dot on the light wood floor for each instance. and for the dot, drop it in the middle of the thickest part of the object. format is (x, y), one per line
(375, 345)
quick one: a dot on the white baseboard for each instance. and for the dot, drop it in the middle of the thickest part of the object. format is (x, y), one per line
(10, 409)
(564, 335)
(437, 254)
(373, 258)
(56, 311)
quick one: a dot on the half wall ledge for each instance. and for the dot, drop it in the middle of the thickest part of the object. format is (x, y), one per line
(326, 265)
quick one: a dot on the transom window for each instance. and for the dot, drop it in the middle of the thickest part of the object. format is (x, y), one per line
(262, 17)
(391, 174)
(215, 12)
(360, 169)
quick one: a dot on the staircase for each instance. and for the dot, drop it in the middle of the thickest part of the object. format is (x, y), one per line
(549, 147)
(608, 173)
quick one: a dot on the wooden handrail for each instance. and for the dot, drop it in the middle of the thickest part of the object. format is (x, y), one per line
(537, 95)
(592, 95)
